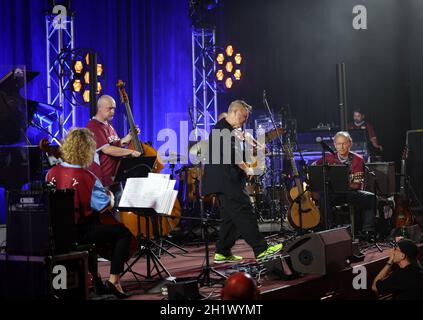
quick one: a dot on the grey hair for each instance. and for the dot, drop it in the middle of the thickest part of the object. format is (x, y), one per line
(242, 103)
(343, 134)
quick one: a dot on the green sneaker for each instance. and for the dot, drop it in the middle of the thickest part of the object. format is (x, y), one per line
(220, 258)
(270, 251)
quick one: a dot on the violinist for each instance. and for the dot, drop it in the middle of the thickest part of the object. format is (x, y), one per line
(91, 198)
(226, 177)
(109, 147)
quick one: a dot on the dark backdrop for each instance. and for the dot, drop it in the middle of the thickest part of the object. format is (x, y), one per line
(291, 49)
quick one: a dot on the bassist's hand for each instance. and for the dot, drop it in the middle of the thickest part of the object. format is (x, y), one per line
(135, 154)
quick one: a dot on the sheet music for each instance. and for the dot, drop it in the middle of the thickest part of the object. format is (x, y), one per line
(156, 192)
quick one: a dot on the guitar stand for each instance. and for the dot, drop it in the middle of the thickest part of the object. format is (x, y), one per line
(145, 249)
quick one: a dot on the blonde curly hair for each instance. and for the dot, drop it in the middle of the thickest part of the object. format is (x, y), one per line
(79, 147)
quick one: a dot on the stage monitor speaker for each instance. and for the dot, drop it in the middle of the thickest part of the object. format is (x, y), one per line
(414, 164)
(40, 222)
(185, 290)
(32, 277)
(384, 176)
(322, 252)
(279, 268)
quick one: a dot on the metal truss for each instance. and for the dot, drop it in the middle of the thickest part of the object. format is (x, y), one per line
(203, 74)
(59, 38)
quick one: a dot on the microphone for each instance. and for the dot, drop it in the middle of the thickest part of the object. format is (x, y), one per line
(264, 95)
(325, 145)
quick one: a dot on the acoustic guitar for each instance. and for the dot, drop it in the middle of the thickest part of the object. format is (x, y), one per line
(303, 212)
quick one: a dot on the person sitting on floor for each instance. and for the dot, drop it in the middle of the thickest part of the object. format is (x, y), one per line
(402, 275)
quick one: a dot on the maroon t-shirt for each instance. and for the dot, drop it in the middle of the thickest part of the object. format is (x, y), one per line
(104, 166)
(90, 195)
(367, 126)
(356, 165)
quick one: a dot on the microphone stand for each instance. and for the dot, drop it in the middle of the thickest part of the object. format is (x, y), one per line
(281, 142)
(325, 190)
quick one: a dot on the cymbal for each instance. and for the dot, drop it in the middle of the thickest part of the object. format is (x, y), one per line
(273, 134)
(200, 149)
(172, 158)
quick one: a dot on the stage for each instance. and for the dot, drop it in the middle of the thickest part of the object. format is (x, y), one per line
(187, 266)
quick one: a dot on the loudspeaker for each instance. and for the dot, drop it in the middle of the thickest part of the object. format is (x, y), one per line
(414, 162)
(322, 252)
(279, 268)
(185, 290)
(40, 222)
(384, 176)
(32, 277)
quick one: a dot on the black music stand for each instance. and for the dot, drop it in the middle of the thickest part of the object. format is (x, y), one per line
(329, 178)
(145, 244)
(134, 168)
(138, 168)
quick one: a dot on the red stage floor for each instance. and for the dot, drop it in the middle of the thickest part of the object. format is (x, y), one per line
(186, 265)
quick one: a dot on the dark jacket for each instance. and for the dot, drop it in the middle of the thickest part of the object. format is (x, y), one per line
(220, 177)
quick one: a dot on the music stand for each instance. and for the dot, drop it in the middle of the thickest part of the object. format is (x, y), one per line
(135, 168)
(337, 178)
(328, 178)
(146, 249)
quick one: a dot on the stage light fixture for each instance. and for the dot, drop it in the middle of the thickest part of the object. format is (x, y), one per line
(220, 58)
(219, 75)
(77, 85)
(86, 96)
(238, 58)
(99, 69)
(229, 67)
(228, 83)
(229, 51)
(77, 93)
(87, 77)
(232, 71)
(78, 67)
(237, 74)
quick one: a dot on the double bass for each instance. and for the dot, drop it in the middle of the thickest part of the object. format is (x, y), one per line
(164, 225)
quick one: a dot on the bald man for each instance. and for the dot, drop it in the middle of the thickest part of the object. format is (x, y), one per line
(240, 286)
(109, 147)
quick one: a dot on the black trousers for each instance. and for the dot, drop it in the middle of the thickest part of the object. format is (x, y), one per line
(114, 238)
(238, 218)
(364, 203)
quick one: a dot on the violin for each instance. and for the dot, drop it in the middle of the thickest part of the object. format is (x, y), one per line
(46, 147)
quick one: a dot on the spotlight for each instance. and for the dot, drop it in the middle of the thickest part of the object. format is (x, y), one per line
(228, 83)
(79, 75)
(86, 96)
(219, 75)
(229, 51)
(237, 74)
(77, 86)
(229, 67)
(99, 69)
(238, 58)
(232, 71)
(87, 77)
(78, 67)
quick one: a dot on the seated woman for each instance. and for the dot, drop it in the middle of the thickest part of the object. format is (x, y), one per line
(91, 199)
